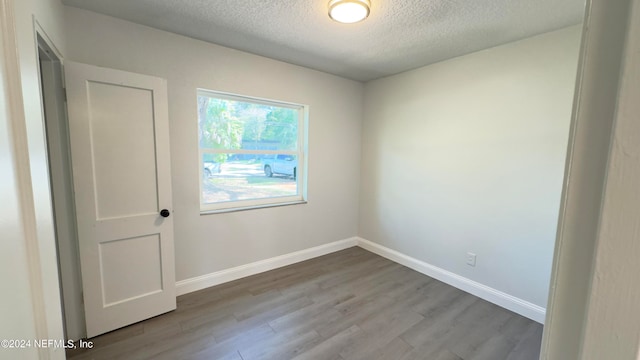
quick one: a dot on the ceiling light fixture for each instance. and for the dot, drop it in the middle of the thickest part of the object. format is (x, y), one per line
(349, 11)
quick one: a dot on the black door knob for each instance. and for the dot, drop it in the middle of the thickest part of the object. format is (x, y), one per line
(165, 213)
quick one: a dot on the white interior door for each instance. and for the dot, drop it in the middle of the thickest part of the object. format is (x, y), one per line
(119, 134)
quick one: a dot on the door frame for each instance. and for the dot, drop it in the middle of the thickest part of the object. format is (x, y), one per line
(58, 149)
(586, 174)
(35, 225)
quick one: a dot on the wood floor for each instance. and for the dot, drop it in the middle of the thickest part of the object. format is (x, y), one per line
(347, 305)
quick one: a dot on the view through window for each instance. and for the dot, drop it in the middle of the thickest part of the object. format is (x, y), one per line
(251, 151)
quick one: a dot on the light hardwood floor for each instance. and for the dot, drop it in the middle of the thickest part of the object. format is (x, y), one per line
(347, 305)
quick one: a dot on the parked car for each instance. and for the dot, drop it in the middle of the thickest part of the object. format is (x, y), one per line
(210, 168)
(281, 164)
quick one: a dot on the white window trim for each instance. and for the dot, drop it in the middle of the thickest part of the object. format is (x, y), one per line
(300, 153)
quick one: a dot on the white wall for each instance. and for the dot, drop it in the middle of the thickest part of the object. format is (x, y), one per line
(468, 155)
(205, 244)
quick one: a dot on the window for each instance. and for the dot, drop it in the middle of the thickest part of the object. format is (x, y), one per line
(251, 152)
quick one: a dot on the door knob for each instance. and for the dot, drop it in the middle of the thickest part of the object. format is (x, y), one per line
(165, 213)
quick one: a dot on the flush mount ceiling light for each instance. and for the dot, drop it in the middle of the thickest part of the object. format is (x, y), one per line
(349, 11)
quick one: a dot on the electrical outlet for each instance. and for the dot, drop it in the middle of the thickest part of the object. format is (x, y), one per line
(471, 259)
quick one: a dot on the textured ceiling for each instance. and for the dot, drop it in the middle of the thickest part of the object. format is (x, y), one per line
(399, 35)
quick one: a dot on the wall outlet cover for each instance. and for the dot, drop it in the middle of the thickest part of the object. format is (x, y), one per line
(471, 259)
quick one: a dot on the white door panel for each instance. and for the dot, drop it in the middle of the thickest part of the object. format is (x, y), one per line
(119, 132)
(118, 193)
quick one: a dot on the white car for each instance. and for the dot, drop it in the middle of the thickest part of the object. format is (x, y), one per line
(281, 165)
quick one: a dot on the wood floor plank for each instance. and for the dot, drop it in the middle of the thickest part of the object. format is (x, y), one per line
(285, 345)
(480, 325)
(349, 305)
(307, 318)
(379, 331)
(331, 347)
(393, 350)
(354, 313)
(233, 344)
(528, 344)
(495, 347)
(437, 326)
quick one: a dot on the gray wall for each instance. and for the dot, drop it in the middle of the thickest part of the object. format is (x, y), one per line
(464, 155)
(468, 155)
(209, 243)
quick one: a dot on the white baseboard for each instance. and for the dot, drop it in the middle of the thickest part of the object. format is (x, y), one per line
(522, 307)
(219, 277)
(519, 306)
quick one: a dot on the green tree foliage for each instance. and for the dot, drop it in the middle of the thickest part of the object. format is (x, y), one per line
(252, 115)
(282, 126)
(220, 128)
(227, 124)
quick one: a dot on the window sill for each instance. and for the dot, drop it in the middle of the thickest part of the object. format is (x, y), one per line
(245, 208)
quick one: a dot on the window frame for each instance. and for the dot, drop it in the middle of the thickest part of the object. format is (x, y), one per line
(300, 152)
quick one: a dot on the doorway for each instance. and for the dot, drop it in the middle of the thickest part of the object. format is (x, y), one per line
(134, 240)
(61, 183)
